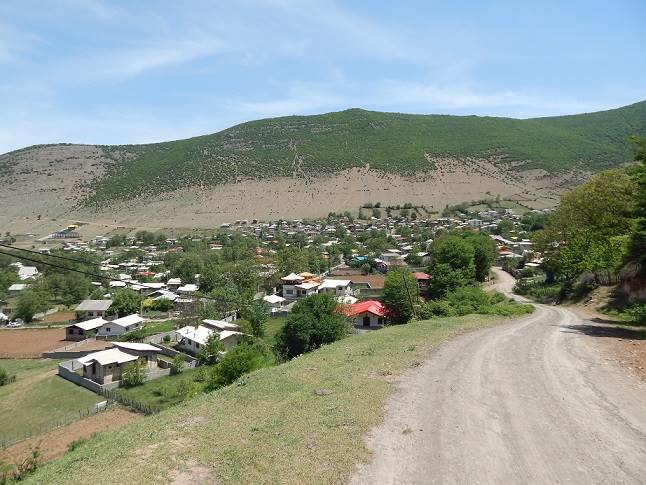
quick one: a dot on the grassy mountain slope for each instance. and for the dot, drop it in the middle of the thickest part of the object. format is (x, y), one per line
(272, 426)
(396, 143)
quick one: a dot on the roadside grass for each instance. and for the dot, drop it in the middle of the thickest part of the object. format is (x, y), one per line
(38, 398)
(300, 422)
(167, 391)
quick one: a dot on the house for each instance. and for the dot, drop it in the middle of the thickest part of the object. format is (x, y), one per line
(289, 283)
(275, 303)
(423, 280)
(16, 288)
(27, 272)
(304, 290)
(220, 325)
(106, 366)
(188, 289)
(92, 309)
(367, 314)
(191, 339)
(161, 294)
(174, 283)
(82, 330)
(120, 326)
(335, 287)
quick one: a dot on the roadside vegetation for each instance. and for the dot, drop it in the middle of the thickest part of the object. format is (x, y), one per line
(595, 237)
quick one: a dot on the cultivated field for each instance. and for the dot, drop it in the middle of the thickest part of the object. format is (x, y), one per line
(30, 343)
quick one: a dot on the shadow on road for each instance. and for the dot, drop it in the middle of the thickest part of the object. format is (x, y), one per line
(597, 330)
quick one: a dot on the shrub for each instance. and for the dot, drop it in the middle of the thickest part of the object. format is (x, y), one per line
(637, 313)
(177, 364)
(5, 378)
(238, 361)
(134, 373)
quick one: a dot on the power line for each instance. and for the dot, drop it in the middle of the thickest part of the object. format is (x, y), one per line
(94, 275)
(50, 255)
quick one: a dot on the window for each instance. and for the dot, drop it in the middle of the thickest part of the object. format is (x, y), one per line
(107, 329)
(290, 292)
(197, 346)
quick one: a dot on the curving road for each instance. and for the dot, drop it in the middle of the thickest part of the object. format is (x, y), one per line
(524, 402)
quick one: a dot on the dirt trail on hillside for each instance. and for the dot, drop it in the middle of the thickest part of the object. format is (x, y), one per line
(525, 402)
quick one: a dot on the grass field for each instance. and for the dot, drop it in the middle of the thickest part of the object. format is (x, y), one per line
(300, 422)
(168, 390)
(274, 325)
(39, 397)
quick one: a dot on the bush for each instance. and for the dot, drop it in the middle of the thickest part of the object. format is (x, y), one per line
(134, 373)
(314, 321)
(637, 313)
(5, 378)
(471, 299)
(238, 361)
(177, 365)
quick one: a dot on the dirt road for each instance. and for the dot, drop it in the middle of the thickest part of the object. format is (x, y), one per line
(525, 402)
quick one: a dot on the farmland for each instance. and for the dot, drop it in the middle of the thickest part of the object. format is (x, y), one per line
(30, 342)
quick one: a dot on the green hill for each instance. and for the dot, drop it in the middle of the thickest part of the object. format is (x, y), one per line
(313, 145)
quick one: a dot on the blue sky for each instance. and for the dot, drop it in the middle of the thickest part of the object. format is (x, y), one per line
(99, 71)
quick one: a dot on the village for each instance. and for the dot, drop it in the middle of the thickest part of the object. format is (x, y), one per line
(154, 309)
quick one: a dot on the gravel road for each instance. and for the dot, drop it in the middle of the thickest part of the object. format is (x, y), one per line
(524, 402)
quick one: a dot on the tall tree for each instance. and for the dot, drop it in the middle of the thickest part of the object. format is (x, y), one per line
(637, 248)
(452, 264)
(400, 294)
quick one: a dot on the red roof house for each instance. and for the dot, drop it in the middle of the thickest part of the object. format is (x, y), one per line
(367, 314)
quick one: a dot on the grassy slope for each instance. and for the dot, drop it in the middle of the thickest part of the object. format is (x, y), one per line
(389, 141)
(38, 397)
(271, 427)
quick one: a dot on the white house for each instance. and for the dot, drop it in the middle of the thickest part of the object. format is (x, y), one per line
(367, 314)
(335, 287)
(188, 289)
(92, 309)
(289, 283)
(191, 339)
(27, 272)
(16, 288)
(275, 303)
(120, 326)
(174, 283)
(82, 330)
(106, 366)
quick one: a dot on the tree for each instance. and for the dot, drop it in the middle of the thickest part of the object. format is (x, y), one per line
(588, 230)
(134, 373)
(637, 246)
(314, 321)
(504, 228)
(485, 253)
(452, 264)
(400, 294)
(209, 352)
(28, 304)
(255, 312)
(125, 302)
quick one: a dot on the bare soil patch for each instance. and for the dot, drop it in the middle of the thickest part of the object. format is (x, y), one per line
(56, 442)
(30, 343)
(59, 317)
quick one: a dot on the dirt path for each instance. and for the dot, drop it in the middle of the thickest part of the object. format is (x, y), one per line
(526, 402)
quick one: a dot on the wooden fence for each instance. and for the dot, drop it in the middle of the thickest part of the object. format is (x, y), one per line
(131, 403)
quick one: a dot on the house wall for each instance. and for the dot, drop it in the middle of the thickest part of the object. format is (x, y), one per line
(80, 316)
(375, 321)
(75, 334)
(230, 341)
